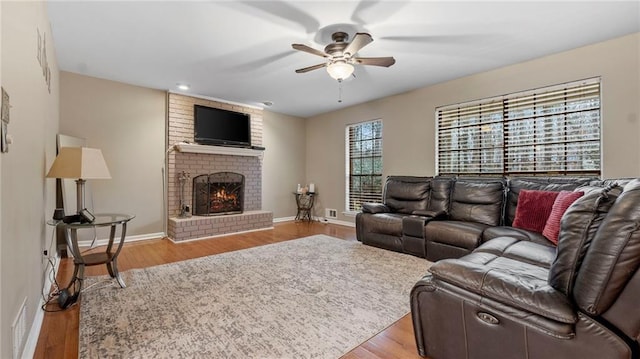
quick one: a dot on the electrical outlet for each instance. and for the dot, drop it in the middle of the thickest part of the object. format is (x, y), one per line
(331, 213)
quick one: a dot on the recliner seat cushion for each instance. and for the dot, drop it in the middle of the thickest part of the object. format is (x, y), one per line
(518, 284)
(524, 251)
(517, 233)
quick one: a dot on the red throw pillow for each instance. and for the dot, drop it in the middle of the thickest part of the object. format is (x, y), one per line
(533, 209)
(561, 204)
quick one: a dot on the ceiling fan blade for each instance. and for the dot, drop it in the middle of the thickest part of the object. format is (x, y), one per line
(360, 40)
(285, 11)
(375, 61)
(262, 62)
(376, 11)
(311, 50)
(310, 68)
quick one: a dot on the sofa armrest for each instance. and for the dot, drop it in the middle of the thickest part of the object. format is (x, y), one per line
(428, 213)
(375, 208)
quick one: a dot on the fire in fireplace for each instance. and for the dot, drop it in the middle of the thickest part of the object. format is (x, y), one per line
(218, 193)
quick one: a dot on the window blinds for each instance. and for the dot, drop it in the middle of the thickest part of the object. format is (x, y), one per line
(364, 164)
(553, 130)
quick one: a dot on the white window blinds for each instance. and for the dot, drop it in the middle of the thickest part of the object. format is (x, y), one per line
(363, 164)
(553, 130)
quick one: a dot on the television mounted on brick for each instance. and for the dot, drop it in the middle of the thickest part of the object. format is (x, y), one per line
(214, 126)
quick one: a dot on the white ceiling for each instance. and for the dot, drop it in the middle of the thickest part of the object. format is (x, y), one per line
(241, 51)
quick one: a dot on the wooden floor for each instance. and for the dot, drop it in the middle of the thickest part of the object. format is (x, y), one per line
(59, 333)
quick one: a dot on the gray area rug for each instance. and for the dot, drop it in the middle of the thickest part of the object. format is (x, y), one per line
(315, 297)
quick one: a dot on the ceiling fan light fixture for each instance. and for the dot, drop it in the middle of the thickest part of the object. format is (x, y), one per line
(340, 70)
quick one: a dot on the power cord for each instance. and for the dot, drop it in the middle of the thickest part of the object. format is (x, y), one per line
(109, 281)
(50, 273)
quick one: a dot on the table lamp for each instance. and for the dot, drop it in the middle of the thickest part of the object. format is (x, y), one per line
(81, 163)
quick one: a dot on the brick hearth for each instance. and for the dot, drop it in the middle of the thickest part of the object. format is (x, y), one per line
(181, 229)
(181, 130)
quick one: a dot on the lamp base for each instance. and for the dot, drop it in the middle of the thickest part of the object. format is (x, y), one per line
(80, 194)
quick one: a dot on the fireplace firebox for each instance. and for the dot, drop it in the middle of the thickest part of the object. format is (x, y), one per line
(218, 193)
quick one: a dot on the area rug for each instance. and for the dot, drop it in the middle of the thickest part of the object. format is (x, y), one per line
(315, 297)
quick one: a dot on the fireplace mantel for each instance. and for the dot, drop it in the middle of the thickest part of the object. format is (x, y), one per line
(217, 150)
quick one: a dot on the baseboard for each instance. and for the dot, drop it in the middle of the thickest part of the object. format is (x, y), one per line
(334, 221)
(32, 340)
(284, 219)
(139, 237)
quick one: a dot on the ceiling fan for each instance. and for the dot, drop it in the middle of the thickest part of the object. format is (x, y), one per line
(341, 55)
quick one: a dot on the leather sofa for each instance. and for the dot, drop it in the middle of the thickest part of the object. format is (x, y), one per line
(518, 297)
(455, 215)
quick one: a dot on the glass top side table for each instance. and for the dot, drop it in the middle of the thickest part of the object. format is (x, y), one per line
(109, 256)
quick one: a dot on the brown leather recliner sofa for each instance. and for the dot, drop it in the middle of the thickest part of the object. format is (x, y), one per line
(513, 298)
(442, 217)
(509, 292)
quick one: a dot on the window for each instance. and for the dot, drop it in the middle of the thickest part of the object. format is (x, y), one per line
(548, 131)
(364, 164)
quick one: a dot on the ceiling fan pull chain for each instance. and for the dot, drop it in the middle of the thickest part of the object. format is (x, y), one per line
(339, 91)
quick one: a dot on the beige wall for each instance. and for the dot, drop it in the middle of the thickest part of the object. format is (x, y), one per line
(283, 163)
(28, 199)
(129, 119)
(409, 124)
(128, 124)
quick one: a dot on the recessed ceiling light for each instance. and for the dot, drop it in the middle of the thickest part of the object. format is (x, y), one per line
(183, 87)
(268, 103)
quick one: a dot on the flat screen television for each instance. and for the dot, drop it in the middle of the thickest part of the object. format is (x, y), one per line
(214, 126)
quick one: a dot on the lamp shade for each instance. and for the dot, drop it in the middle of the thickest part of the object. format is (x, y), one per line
(340, 70)
(79, 162)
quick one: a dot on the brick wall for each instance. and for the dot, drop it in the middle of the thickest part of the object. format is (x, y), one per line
(181, 117)
(180, 129)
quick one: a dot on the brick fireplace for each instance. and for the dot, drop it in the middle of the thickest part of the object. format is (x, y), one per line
(194, 160)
